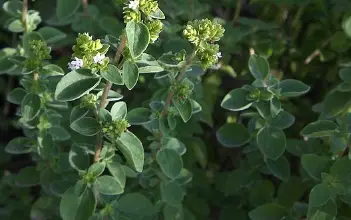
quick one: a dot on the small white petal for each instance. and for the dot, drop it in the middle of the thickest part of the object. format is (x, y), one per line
(133, 4)
(98, 58)
(75, 64)
(219, 55)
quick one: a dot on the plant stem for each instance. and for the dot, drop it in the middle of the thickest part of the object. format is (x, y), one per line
(237, 10)
(317, 51)
(24, 15)
(178, 78)
(85, 7)
(105, 94)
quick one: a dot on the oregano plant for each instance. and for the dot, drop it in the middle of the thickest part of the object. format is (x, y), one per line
(175, 110)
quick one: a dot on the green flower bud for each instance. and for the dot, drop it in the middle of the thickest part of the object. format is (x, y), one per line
(148, 6)
(115, 128)
(182, 91)
(131, 15)
(39, 51)
(155, 28)
(89, 53)
(208, 55)
(203, 31)
(44, 123)
(88, 101)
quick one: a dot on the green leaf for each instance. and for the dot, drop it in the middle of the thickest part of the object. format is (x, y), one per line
(27, 177)
(67, 8)
(291, 191)
(135, 206)
(170, 162)
(150, 69)
(78, 113)
(138, 116)
(319, 195)
(30, 106)
(174, 144)
(282, 120)
(138, 37)
(269, 211)
(158, 14)
(118, 173)
(314, 165)
(107, 185)
(326, 212)
(345, 74)
(321, 128)
(75, 84)
(73, 207)
(27, 39)
(16, 26)
(78, 158)
(233, 135)
(259, 67)
(132, 149)
(336, 102)
(16, 96)
(184, 108)
(20, 145)
(272, 142)
(51, 35)
(119, 110)
(112, 74)
(347, 26)
(293, 88)
(13, 8)
(86, 126)
(172, 193)
(280, 168)
(53, 70)
(236, 100)
(96, 169)
(130, 74)
(173, 213)
(59, 133)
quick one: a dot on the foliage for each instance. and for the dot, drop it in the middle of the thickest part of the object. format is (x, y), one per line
(181, 109)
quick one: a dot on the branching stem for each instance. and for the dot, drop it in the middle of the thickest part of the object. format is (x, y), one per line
(178, 78)
(105, 94)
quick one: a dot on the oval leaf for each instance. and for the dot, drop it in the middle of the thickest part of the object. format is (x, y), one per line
(233, 135)
(138, 37)
(272, 142)
(75, 84)
(170, 162)
(293, 88)
(236, 100)
(320, 128)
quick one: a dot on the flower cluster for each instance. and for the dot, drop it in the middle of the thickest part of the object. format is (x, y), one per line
(89, 53)
(39, 51)
(88, 101)
(148, 9)
(203, 34)
(182, 91)
(115, 128)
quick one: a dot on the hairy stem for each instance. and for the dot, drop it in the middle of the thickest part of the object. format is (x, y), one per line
(85, 7)
(24, 15)
(105, 94)
(178, 78)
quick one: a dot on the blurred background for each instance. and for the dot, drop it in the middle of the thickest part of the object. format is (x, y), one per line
(308, 40)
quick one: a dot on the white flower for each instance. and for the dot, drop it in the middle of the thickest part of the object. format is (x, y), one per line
(219, 55)
(75, 64)
(134, 4)
(98, 58)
